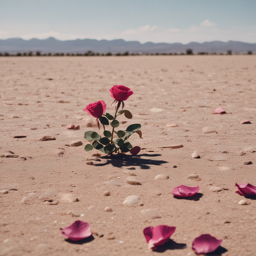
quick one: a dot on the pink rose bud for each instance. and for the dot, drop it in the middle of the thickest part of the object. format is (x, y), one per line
(246, 189)
(135, 150)
(205, 244)
(157, 236)
(184, 191)
(219, 110)
(77, 231)
(120, 92)
(96, 109)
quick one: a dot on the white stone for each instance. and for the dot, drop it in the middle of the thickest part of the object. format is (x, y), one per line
(195, 154)
(151, 213)
(208, 130)
(244, 202)
(161, 177)
(156, 110)
(108, 209)
(215, 189)
(193, 176)
(132, 180)
(132, 200)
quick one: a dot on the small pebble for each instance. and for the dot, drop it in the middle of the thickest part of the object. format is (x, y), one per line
(215, 189)
(193, 176)
(4, 191)
(195, 154)
(108, 209)
(171, 125)
(208, 130)
(161, 177)
(132, 200)
(107, 193)
(248, 163)
(19, 136)
(89, 163)
(129, 173)
(244, 202)
(47, 138)
(76, 143)
(132, 180)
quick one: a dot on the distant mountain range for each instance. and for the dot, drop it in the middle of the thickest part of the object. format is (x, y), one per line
(16, 45)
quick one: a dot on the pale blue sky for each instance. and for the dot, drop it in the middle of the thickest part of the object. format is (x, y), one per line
(143, 20)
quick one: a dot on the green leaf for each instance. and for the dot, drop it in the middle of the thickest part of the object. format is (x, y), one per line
(104, 141)
(107, 134)
(128, 145)
(124, 149)
(114, 123)
(109, 148)
(128, 114)
(109, 116)
(88, 147)
(97, 145)
(90, 135)
(120, 133)
(119, 142)
(104, 120)
(121, 112)
(133, 127)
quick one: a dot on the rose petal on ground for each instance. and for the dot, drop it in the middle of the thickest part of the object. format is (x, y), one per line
(246, 189)
(184, 191)
(205, 244)
(77, 231)
(135, 150)
(157, 236)
(219, 110)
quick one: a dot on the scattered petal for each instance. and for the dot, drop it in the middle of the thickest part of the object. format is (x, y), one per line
(77, 231)
(246, 189)
(135, 150)
(205, 244)
(157, 236)
(184, 191)
(219, 110)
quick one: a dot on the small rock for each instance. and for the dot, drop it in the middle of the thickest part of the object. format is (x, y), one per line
(19, 136)
(245, 122)
(113, 183)
(108, 209)
(151, 213)
(110, 236)
(242, 153)
(51, 202)
(59, 152)
(129, 173)
(156, 110)
(9, 154)
(244, 202)
(133, 181)
(195, 154)
(130, 168)
(248, 163)
(96, 155)
(48, 195)
(175, 166)
(161, 177)
(24, 200)
(4, 191)
(173, 146)
(172, 125)
(131, 200)
(208, 130)
(47, 138)
(194, 176)
(250, 149)
(68, 198)
(76, 143)
(94, 159)
(215, 189)
(89, 163)
(106, 193)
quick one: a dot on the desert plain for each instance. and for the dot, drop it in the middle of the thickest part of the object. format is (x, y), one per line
(47, 185)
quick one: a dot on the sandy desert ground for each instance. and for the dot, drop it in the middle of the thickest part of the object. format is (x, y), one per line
(49, 185)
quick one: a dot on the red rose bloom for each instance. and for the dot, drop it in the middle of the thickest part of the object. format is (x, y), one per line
(96, 109)
(120, 92)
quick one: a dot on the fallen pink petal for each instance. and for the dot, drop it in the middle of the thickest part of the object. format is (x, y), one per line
(219, 110)
(184, 191)
(246, 189)
(245, 122)
(135, 150)
(205, 244)
(158, 236)
(77, 231)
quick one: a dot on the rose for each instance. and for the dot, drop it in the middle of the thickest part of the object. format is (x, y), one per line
(96, 109)
(120, 92)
